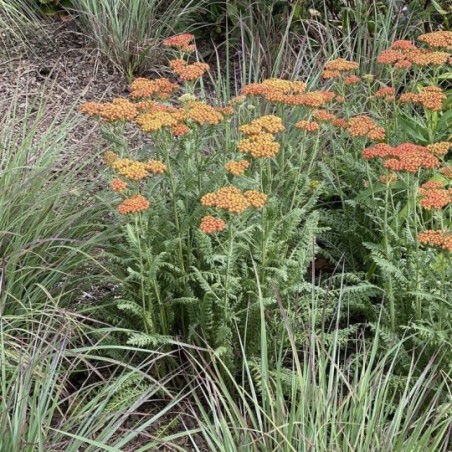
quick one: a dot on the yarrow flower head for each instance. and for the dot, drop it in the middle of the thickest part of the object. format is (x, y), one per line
(386, 93)
(269, 124)
(434, 195)
(130, 169)
(430, 97)
(237, 168)
(309, 126)
(135, 204)
(160, 88)
(334, 68)
(441, 39)
(181, 42)
(406, 157)
(324, 116)
(351, 80)
(441, 148)
(256, 199)
(155, 167)
(363, 126)
(187, 71)
(211, 225)
(440, 239)
(202, 113)
(118, 185)
(228, 198)
(259, 146)
(109, 157)
(446, 171)
(117, 110)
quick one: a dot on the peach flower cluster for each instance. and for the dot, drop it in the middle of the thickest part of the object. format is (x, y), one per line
(237, 168)
(441, 39)
(335, 68)
(211, 225)
(309, 126)
(233, 200)
(181, 42)
(434, 195)
(441, 148)
(117, 110)
(134, 204)
(188, 72)
(363, 126)
(265, 124)
(160, 88)
(386, 93)
(439, 239)
(404, 157)
(430, 97)
(118, 185)
(259, 146)
(109, 157)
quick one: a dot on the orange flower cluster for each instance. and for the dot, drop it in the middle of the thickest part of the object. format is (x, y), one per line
(430, 97)
(230, 199)
(256, 199)
(323, 116)
(434, 195)
(155, 167)
(188, 71)
(237, 168)
(390, 178)
(437, 39)
(446, 171)
(117, 110)
(351, 80)
(109, 157)
(340, 122)
(237, 100)
(130, 169)
(118, 185)
(386, 93)
(436, 238)
(181, 42)
(441, 148)
(269, 124)
(202, 113)
(259, 146)
(363, 126)
(136, 203)
(288, 93)
(404, 157)
(180, 130)
(161, 88)
(334, 68)
(155, 121)
(309, 126)
(210, 225)
(403, 54)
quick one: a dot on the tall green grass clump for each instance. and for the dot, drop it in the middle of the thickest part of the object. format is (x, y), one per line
(50, 233)
(129, 32)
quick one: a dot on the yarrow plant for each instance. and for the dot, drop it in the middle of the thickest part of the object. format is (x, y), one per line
(220, 205)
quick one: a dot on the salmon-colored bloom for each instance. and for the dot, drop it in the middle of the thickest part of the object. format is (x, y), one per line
(136, 203)
(334, 68)
(228, 198)
(188, 71)
(259, 146)
(440, 239)
(211, 225)
(446, 171)
(309, 126)
(181, 42)
(160, 88)
(430, 97)
(434, 195)
(351, 80)
(130, 169)
(363, 126)
(256, 198)
(404, 157)
(180, 130)
(155, 167)
(237, 168)
(441, 148)
(117, 110)
(202, 113)
(324, 116)
(269, 124)
(386, 93)
(442, 39)
(118, 185)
